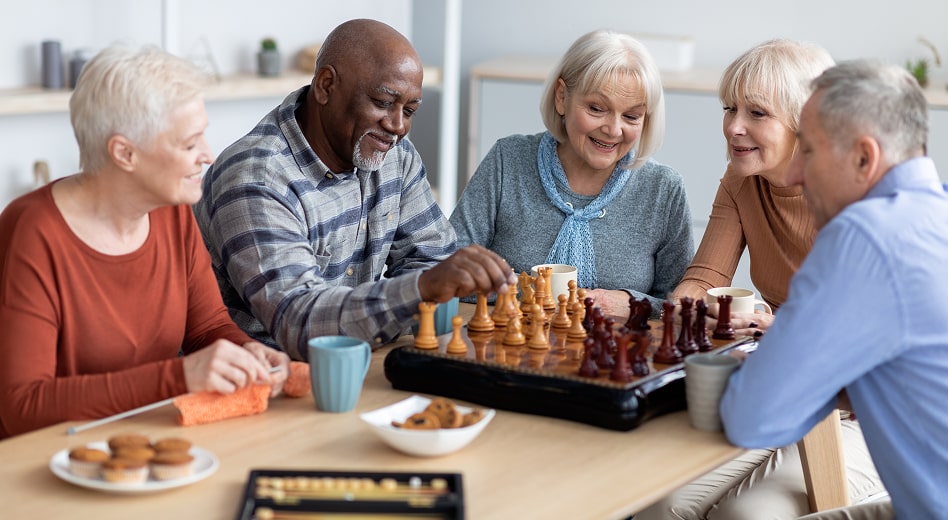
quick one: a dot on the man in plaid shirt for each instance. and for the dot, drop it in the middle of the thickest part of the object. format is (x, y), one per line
(321, 220)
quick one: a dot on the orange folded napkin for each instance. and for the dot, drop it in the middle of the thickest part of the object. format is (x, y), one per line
(208, 407)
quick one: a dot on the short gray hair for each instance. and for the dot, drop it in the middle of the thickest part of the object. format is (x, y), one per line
(867, 97)
(593, 62)
(129, 92)
(777, 74)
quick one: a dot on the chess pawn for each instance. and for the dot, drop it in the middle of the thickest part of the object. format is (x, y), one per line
(538, 340)
(514, 334)
(622, 372)
(588, 367)
(639, 364)
(724, 330)
(576, 330)
(561, 320)
(499, 317)
(426, 339)
(686, 343)
(667, 352)
(512, 303)
(571, 300)
(700, 331)
(456, 345)
(588, 314)
(481, 321)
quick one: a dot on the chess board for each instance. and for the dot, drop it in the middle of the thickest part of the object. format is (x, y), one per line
(544, 381)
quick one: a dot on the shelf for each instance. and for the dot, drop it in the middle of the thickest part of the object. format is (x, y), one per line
(36, 100)
(697, 80)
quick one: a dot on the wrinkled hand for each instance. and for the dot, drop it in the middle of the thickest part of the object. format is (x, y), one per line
(469, 270)
(744, 324)
(223, 367)
(271, 358)
(612, 302)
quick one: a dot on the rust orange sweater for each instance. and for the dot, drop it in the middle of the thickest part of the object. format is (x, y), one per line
(772, 222)
(87, 335)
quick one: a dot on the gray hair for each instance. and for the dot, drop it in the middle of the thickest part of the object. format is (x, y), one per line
(865, 97)
(128, 92)
(593, 62)
(775, 74)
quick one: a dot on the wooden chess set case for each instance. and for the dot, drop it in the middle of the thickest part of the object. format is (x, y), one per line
(547, 386)
(282, 493)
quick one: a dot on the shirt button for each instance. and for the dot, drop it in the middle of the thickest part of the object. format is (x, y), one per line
(329, 176)
(365, 226)
(390, 218)
(378, 340)
(349, 271)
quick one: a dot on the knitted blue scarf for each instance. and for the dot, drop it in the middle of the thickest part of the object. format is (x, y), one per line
(573, 245)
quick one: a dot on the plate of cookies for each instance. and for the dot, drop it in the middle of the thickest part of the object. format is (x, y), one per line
(427, 427)
(133, 463)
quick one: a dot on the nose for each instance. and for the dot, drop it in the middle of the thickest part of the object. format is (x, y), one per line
(612, 126)
(734, 125)
(397, 123)
(206, 156)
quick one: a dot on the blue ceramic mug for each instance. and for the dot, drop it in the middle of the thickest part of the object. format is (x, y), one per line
(337, 368)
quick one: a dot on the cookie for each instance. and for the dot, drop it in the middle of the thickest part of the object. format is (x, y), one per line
(447, 413)
(472, 417)
(422, 421)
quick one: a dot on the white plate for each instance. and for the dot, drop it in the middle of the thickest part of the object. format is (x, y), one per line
(205, 464)
(425, 443)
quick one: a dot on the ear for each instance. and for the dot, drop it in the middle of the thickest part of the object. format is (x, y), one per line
(559, 97)
(324, 82)
(867, 158)
(122, 152)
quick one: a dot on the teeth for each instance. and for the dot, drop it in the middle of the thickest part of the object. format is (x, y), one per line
(600, 143)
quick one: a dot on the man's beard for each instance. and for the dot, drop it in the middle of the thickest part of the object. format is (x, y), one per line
(374, 161)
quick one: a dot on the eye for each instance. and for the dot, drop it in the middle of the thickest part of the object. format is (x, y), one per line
(381, 103)
(408, 111)
(595, 108)
(759, 113)
(730, 110)
(633, 118)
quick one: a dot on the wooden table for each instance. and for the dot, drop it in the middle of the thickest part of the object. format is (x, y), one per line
(522, 466)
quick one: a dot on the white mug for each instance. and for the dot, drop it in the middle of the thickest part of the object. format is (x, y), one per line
(742, 300)
(559, 281)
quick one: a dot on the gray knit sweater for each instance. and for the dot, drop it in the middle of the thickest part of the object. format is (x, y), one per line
(643, 243)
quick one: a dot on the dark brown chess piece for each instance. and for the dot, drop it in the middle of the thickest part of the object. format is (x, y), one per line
(667, 352)
(724, 330)
(622, 372)
(642, 340)
(606, 346)
(700, 330)
(588, 318)
(588, 368)
(686, 343)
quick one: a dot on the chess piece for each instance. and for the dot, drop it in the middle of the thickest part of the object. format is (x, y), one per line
(642, 340)
(527, 296)
(538, 340)
(622, 372)
(512, 303)
(499, 317)
(700, 330)
(561, 320)
(588, 315)
(514, 335)
(588, 368)
(667, 352)
(576, 330)
(481, 321)
(549, 303)
(724, 330)
(606, 346)
(571, 300)
(540, 287)
(425, 338)
(456, 345)
(686, 343)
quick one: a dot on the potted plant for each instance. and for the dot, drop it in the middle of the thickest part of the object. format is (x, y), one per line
(268, 59)
(919, 68)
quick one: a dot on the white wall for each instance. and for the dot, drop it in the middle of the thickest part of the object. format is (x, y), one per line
(232, 29)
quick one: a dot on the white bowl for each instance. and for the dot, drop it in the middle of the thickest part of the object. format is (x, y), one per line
(424, 443)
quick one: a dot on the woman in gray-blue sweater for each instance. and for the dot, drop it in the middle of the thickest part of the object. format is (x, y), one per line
(585, 192)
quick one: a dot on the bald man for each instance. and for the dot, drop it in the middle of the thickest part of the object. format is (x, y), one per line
(321, 221)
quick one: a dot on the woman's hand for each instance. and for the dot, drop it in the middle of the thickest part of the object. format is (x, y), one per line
(271, 358)
(224, 367)
(613, 303)
(744, 324)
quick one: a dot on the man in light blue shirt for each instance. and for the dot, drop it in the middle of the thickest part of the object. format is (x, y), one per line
(866, 316)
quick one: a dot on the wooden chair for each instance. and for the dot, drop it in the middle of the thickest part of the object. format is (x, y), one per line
(824, 467)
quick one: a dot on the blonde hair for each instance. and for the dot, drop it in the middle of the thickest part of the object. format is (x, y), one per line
(597, 60)
(777, 75)
(129, 92)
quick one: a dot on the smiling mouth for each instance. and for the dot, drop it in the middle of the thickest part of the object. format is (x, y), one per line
(385, 142)
(602, 144)
(743, 149)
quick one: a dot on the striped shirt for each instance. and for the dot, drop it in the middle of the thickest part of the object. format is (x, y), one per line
(300, 251)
